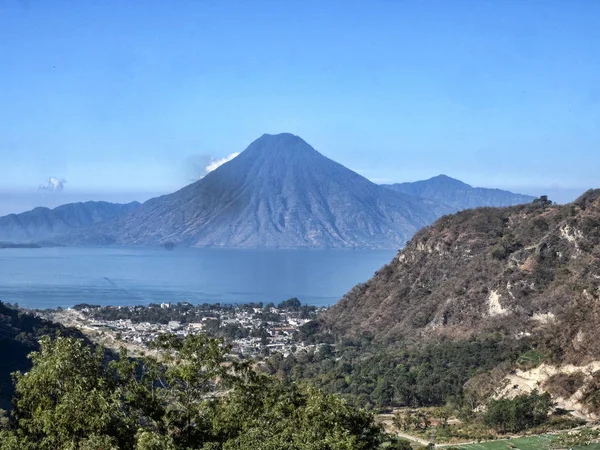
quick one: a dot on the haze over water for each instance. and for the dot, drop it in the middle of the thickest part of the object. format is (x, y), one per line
(52, 277)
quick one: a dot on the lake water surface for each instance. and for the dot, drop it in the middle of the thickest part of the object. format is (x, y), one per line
(51, 277)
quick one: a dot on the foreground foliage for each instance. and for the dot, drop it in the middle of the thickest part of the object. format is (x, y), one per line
(193, 398)
(19, 334)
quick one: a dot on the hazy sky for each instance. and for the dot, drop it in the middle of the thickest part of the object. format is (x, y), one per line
(135, 97)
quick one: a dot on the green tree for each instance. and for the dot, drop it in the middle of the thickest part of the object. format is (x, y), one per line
(520, 413)
(292, 304)
(79, 398)
(3, 419)
(399, 444)
(148, 440)
(194, 374)
(542, 201)
(295, 418)
(68, 396)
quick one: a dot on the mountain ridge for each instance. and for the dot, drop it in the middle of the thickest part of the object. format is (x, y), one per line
(43, 223)
(278, 193)
(457, 194)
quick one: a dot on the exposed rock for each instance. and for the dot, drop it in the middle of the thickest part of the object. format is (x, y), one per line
(541, 377)
(495, 308)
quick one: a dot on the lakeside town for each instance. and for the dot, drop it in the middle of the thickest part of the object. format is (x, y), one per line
(253, 330)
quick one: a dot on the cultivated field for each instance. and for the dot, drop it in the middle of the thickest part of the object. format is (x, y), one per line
(540, 442)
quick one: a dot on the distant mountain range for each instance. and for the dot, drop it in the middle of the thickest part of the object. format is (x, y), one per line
(43, 224)
(278, 193)
(457, 194)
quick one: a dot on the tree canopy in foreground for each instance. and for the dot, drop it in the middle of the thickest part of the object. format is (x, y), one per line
(76, 398)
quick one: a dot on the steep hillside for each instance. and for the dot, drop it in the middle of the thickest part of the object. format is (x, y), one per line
(279, 192)
(43, 223)
(457, 194)
(529, 269)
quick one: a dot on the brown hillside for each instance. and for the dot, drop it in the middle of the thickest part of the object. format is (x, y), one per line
(524, 269)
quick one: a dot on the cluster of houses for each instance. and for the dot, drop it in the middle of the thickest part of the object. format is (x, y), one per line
(254, 333)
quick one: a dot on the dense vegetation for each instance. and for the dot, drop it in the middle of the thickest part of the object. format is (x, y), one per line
(370, 376)
(19, 333)
(519, 413)
(75, 397)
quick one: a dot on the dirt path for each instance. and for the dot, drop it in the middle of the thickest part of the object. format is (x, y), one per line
(388, 424)
(411, 438)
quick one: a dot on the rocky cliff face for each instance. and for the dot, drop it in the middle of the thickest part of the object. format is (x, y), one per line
(459, 195)
(523, 270)
(279, 192)
(46, 224)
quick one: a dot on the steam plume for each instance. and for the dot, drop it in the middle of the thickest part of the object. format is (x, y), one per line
(214, 163)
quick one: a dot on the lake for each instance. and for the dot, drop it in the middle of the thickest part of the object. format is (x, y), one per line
(51, 277)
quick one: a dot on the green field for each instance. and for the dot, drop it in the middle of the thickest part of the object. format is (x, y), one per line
(541, 442)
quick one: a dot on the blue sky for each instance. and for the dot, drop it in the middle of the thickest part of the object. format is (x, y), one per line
(124, 99)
